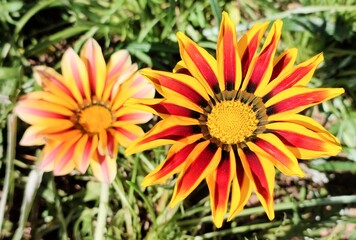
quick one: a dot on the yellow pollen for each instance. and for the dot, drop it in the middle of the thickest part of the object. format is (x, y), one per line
(95, 118)
(231, 122)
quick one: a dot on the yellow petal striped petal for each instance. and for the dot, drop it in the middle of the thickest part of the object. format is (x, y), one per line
(93, 59)
(303, 142)
(104, 168)
(75, 75)
(200, 63)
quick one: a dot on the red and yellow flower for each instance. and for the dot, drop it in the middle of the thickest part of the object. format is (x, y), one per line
(234, 118)
(81, 115)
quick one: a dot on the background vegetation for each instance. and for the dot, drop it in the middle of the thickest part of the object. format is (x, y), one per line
(36, 206)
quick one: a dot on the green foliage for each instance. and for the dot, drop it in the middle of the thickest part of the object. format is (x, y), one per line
(38, 32)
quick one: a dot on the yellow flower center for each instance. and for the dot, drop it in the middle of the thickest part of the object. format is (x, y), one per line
(95, 118)
(231, 121)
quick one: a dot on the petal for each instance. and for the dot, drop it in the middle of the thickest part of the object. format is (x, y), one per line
(113, 85)
(261, 66)
(127, 115)
(303, 120)
(229, 64)
(58, 156)
(42, 108)
(178, 86)
(273, 149)
(200, 63)
(124, 135)
(119, 62)
(219, 183)
(135, 87)
(64, 162)
(112, 145)
(83, 152)
(241, 188)
(284, 63)
(202, 161)
(165, 132)
(35, 135)
(65, 135)
(303, 142)
(94, 62)
(50, 97)
(30, 114)
(103, 142)
(53, 82)
(104, 168)
(32, 136)
(176, 157)
(296, 99)
(298, 76)
(163, 108)
(248, 44)
(75, 75)
(48, 155)
(261, 172)
(180, 67)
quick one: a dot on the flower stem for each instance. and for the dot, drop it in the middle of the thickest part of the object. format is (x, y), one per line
(9, 178)
(103, 212)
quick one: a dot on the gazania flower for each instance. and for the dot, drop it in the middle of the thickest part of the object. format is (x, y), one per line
(232, 119)
(80, 115)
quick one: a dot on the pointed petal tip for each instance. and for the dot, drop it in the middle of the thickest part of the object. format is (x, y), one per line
(146, 181)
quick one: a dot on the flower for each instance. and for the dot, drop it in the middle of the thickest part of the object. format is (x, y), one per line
(232, 119)
(80, 115)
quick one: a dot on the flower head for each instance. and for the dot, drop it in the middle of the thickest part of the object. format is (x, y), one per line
(80, 115)
(232, 119)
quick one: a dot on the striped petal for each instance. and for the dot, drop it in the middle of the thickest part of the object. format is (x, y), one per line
(135, 87)
(75, 75)
(36, 134)
(302, 120)
(53, 82)
(104, 167)
(35, 115)
(48, 155)
(273, 149)
(261, 172)
(42, 108)
(260, 71)
(66, 135)
(180, 67)
(58, 156)
(129, 115)
(219, 183)
(32, 136)
(284, 63)
(200, 63)
(119, 62)
(298, 76)
(174, 163)
(50, 98)
(84, 150)
(163, 108)
(241, 188)
(64, 162)
(125, 135)
(178, 86)
(93, 59)
(165, 132)
(248, 44)
(202, 161)
(296, 99)
(303, 142)
(229, 64)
